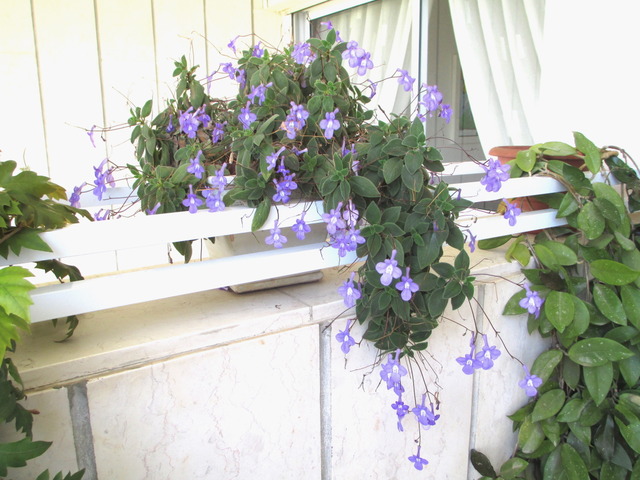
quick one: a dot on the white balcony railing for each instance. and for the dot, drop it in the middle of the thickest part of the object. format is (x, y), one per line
(121, 288)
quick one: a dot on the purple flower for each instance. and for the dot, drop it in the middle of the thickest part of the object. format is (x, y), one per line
(276, 238)
(284, 188)
(232, 44)
(407, 287)
(512, 212)
(214, 199)
(241, 77)
(195, 167)
(350, 292)
(246, 117)
(258, 51)
(365, 64)
(401, 409)
(329, 124)
(90, 134)
(495, 174)
(101, 215)
(74, 199)
(469, 362)
(426, 417)
(218, 132)
(353, 54)
(334, 219)
(345, 338)
(192, 201)
(272, 158)
(530, 383)
(388, 269)
(532, 302)
(374, 88)
(300, 228)
(189, 123)
(259, 92)
(327, 24)
(405, 80)
(302, 53)
(350, 214)
(295, 121)
(418, 462)
(432, 98)
(354, 238)
(170, 126)
(154, 210)
(219, 181)
(472, 242)
(445, 112)
(102, 179)
(202, 116)
(488, 354)
(229, 69)
(392, 373)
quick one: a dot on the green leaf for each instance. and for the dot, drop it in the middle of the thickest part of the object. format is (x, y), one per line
(609, 304)
(598, 381)
(413, 181)
(512, 307)
(548, 405)
(564, 255)
(491, 243)
(591, 152)
(14, 291)
(591, 221)
(546, 256)
(596, 351)
(546, 363)
(261, 214)
(512, 467)
(28, 238)
(613, 273)
(631, 433)
(559, 309)
(630, 296)
(525, 160)
(16, 454)
(572, 463)
(530, 436)
(413, 161)
(392, 169)
(571, 410)
(363, 186)
(482, 464)
(568, 205)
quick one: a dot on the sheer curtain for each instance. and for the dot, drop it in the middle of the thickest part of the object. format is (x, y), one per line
(383, 28)
(500, 45)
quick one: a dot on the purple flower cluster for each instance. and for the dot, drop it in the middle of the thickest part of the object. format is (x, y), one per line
(257, 51)
(482, 360)
(217, 134)
(214, 195)
(296, 120)
(247, 117)
(237, 74)
(258, 92)
(405, 80)
(272, 158)
(285, 185)
(195, 167)
(74, 199)
(190, 122)
(302, 54)
(432, 102)
(357, 57)
(389, 271)
(342, 228)
(495, 174)
(103, 178)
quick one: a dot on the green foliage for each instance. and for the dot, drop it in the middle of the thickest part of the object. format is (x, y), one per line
(585, 422)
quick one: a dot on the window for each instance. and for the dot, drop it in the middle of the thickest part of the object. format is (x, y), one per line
(414, 35)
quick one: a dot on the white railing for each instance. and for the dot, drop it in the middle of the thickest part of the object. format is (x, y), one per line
(129, 287)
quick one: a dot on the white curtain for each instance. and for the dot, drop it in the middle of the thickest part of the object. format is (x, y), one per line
(500, 45)
(383, 28)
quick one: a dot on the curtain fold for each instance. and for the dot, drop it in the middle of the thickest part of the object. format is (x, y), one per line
(384, 29)
(500, 43)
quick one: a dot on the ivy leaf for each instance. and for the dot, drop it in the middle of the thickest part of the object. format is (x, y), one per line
(613, 273)
(16, 454)
(596, 351)
(28, 238)
(598, 381)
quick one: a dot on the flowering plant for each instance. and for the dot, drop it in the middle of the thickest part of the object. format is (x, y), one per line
(582, 292)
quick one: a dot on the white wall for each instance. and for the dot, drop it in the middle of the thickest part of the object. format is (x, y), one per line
(589, 77)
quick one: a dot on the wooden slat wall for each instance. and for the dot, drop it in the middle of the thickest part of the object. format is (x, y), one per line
(66, 65)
